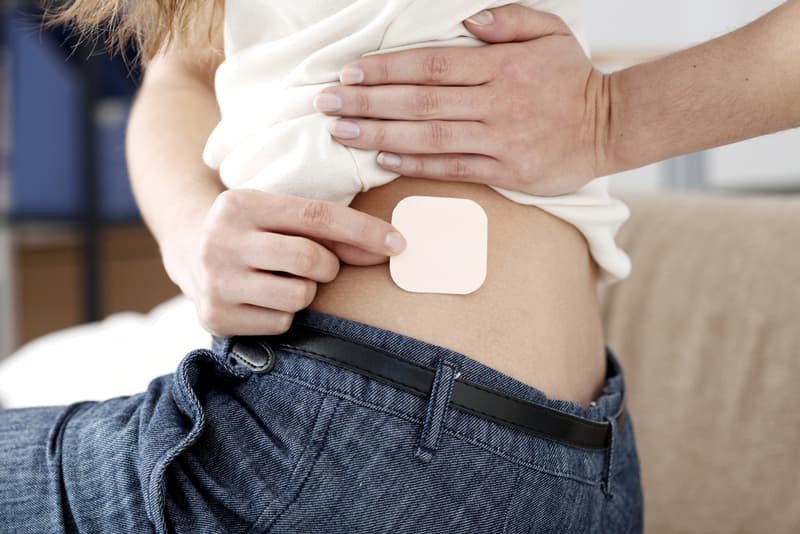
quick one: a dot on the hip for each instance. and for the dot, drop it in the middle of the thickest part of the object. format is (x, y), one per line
(303, 445)
(363, 450)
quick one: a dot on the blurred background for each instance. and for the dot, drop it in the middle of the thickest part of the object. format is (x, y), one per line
(706, 324)
(72, 247)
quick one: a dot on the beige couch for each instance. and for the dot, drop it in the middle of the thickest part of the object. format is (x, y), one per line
(708, 330)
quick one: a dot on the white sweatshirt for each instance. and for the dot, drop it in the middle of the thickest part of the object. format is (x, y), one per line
(280, 53)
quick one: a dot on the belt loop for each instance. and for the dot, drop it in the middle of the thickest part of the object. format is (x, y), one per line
(606, 483)
(436, 409)
(254, 353)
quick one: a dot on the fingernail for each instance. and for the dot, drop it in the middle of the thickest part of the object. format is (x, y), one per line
(327, 102)
(344, 129)
(394, 242)
(481, 19)
(387, 159)
(351, 75)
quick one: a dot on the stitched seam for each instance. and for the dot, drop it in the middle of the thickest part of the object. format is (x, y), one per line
(156, 476)
(511, 501)
(319, 445)
(251, 363)
(490, 416)
(376, 348)
(328, 358)
(447, 394)
(347, 396)
(548, 409)
(529, 430)
(400, 360)
(241, 356)
(554, 411)
(455, 433)
(536, 467)
(428, 423)
(55, 458)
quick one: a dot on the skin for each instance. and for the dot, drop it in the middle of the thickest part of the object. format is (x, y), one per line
(529, 113)
(219, 245)
(533, 114)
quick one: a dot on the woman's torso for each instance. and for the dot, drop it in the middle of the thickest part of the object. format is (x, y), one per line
(536, 317)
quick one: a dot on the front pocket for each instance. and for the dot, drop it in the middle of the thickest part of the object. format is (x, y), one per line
(238, 451)
(303, 467)
(366, 479)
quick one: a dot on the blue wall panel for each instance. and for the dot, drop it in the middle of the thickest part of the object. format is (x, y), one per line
(46, 112)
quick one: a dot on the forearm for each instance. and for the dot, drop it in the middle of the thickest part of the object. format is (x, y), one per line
(741, 85)
(167, 131)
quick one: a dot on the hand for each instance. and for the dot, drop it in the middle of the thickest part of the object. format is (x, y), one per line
(527, 115)
(258, 257)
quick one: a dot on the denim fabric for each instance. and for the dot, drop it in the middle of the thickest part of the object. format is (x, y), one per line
(310, 447)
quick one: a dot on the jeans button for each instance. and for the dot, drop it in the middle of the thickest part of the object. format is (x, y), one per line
(254, 354)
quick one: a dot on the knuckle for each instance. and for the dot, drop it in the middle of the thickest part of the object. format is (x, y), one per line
(363, 104)
(379, 136)
(316, 214)
(438, 134)
(281, 321)
(557, 22)
(380, 67)
(212, 284)
(435, 67)
(306, 292)
(214, 243)
(517, 176)
(229, 203)
(361, 229)
(516, 67)
(418, 167)
(305, 259)
(294, 295)
(208, 248)
(332, 273)
(457, 168)
(212, 317)
(426, 103)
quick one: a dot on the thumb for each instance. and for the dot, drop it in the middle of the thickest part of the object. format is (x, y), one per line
(353, 255)
(356, 256)
(514, 23)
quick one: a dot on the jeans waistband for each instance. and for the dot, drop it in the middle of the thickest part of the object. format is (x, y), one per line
(514, 444)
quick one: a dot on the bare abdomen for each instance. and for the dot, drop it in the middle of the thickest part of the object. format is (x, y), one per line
(535, 318)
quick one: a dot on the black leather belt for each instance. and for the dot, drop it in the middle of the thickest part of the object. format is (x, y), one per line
(389, 368)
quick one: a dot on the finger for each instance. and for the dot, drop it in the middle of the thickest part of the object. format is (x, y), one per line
(244, 320)
(425, 66)
(292, 254)
(270, 290)
(409, 137)
(514, 23)
(317, 219)
(408, 102)
(354, 255)
(451, 167)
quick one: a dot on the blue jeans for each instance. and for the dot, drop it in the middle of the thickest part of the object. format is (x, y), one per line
(310, 447)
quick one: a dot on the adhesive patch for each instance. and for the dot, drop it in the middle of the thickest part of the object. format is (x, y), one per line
(446, 245)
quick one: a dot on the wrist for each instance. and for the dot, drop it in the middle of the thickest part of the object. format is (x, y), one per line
(603, 156)
(612, 138)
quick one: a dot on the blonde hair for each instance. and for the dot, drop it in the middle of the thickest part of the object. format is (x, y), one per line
(150, 24)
